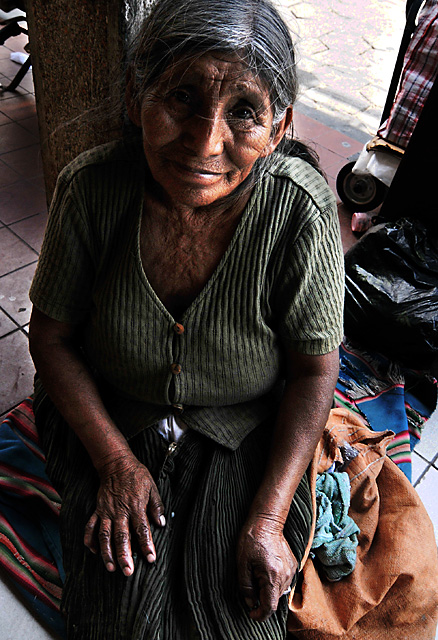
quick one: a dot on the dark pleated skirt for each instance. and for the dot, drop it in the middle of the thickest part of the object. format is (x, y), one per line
(191, 590)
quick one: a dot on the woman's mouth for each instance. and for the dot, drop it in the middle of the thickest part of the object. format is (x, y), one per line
(202, 175)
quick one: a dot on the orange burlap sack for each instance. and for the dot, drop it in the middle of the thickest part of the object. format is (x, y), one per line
(392, 593)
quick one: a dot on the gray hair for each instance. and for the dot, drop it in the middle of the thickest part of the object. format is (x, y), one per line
(254, 29)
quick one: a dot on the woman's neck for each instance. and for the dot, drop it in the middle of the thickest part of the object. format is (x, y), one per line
(214, 215)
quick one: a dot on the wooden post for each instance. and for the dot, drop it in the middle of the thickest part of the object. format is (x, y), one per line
(77, 53)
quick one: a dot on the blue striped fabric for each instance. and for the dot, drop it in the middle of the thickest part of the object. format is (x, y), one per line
(30, 547)
(388, 396)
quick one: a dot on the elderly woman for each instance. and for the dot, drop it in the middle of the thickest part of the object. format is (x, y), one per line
(187, 314)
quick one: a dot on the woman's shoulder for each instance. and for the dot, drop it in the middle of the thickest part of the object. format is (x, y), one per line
(100, 187)
(105, 161)
(303, 178)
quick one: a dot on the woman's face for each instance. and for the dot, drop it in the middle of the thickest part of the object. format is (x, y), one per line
(205, 123)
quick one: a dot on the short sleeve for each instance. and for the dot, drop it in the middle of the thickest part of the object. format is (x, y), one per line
(310, 294)
(63, 281)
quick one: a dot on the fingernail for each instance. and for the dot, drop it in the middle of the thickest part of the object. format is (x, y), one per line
(110, 566)
(150, 558)
(127, 571)
(162, 521)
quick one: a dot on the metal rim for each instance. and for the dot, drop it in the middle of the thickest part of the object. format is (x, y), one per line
(359, 188)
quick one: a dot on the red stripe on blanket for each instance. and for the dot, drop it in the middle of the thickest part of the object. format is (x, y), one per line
(24, 575)
(44, 485)
(24, 548)
(22, 421)
(14, 486)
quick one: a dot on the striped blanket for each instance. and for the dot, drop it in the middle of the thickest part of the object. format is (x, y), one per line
(388, 396)
(30, 549)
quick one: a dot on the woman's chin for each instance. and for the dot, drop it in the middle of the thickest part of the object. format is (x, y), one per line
(197, 194)
(196, 198)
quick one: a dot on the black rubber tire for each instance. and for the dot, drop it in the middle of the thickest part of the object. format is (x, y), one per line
(359, 193)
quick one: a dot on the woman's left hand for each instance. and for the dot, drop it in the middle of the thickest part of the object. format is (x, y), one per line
(266, 566)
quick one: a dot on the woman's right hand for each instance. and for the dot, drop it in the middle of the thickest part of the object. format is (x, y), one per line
(127, 493)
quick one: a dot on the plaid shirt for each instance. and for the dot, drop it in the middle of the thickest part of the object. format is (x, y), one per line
(419, 72)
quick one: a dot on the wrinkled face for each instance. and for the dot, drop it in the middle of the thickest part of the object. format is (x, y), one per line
(205, 123)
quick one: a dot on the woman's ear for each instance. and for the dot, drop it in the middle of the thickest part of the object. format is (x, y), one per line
(132, 101)
(280, 131)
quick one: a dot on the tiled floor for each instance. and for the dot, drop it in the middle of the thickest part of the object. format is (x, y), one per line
(23, 215)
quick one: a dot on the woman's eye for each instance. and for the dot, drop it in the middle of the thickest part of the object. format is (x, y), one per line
(180, 102)
(181, 96)
(243, 115)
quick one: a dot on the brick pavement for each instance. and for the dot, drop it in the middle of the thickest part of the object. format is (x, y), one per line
(347, 51)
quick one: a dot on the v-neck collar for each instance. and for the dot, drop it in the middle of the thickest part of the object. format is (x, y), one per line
(214, 276)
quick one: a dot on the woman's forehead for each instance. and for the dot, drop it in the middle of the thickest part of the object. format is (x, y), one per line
(213, 68)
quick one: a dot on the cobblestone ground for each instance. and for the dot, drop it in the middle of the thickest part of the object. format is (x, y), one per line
(346, 55)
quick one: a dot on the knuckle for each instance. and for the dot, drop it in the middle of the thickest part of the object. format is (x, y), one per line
(142, 531)
(121, 537)
(155, 502)
(104, 535)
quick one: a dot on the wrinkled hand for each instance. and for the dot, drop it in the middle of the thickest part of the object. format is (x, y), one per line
(266, 566)
(126, 494)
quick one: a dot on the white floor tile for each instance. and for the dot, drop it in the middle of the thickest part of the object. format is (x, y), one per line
(418, 466)
(428, 445)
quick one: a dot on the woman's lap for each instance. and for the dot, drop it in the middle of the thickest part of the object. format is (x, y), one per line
(207, 491)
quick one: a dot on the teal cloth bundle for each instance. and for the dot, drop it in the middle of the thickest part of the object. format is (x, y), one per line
(335, 540)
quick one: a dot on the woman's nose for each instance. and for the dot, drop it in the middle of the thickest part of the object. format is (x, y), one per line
(205, 136)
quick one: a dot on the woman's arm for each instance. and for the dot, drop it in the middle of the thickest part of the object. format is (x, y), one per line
(266, 564)
(127, 490)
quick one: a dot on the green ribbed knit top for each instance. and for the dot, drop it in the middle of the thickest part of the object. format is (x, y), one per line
(279, 285)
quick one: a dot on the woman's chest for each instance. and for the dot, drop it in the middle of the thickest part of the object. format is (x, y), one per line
(179, 258)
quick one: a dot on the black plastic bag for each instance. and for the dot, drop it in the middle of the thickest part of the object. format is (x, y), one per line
(391, 293)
